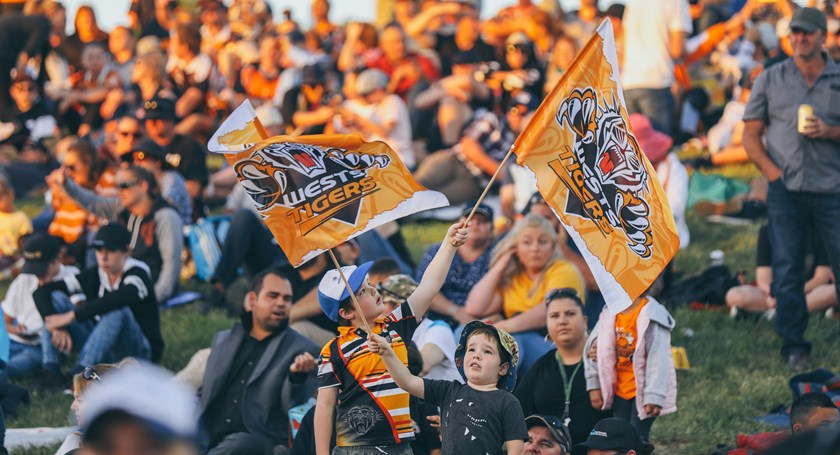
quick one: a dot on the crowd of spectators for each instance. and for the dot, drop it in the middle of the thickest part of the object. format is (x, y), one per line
(108, 127)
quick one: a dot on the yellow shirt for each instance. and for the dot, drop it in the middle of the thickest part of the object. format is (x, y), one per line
(12, 227)
(626, 337)
(523, 293)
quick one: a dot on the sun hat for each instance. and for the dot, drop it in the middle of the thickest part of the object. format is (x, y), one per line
(509, 346)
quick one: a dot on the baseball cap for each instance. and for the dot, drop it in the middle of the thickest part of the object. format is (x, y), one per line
(508, 343)
(148, 148)
(370, 80)
(159, 109)
(167, 407)
(312, 75)
(484, 210)
(396, 289)
(38, 251)
(555, 427)
(332, 291)
(612, 434)
(808, 19)
(112, 237)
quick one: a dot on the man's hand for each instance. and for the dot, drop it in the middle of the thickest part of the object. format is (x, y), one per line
(653, 410)
(458, 234)
(816, 128)
(59, 321)
(18, 329)
(62, 341)
(304, 363)
(596, 398)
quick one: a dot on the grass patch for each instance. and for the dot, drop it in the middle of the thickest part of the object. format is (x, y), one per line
(736, 373)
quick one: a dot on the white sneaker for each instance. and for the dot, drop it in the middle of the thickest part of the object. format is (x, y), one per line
(769, 314)
(733, 312)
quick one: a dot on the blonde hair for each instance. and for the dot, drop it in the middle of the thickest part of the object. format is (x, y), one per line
(80, 384)
(509, 242)
(155, 66)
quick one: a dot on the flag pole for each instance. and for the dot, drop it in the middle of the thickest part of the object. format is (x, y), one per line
(487, 188)
(350, 290)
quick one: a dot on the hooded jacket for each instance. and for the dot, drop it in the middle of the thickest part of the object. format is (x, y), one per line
(653, 364)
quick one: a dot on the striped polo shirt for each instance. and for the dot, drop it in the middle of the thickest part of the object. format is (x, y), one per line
(371, 409)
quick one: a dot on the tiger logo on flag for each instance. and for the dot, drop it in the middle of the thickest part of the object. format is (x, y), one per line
(607, 177)
(318, 184)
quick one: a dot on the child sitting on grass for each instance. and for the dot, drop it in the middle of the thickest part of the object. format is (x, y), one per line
(633, 372)
(481, 416)
(14, 224)
(356, 395)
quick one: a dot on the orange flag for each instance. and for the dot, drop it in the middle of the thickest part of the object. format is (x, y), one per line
(316, 192)
(592, 172)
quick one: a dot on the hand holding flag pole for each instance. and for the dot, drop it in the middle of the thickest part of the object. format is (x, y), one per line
(487, 188)
(350, 290)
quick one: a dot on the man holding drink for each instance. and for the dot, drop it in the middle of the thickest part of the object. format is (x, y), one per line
(792, 133)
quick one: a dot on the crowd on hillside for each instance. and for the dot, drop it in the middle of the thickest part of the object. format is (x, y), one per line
(498, 339)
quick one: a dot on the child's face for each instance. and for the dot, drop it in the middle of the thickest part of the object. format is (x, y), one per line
(482, 360)
(370, 301)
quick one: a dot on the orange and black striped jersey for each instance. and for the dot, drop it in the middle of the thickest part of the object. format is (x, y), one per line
(372, 409)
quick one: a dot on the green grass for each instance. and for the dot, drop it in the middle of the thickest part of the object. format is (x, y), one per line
(735, 376)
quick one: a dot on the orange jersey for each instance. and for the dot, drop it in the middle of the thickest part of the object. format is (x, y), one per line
(626, 337)
(372, 410)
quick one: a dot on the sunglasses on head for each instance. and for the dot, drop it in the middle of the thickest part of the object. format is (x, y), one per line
(383, 290)
(89, 373)
(562, 293)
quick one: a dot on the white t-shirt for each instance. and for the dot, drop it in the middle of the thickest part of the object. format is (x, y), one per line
(392, 109)
(439, 334)
(647, 28)
(19, 304)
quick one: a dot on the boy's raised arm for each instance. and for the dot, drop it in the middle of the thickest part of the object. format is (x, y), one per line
(437, 270)
(399, 372)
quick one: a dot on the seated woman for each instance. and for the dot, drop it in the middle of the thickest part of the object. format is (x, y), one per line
(820, 293)
(538, 391)
(526, 264)
(71, 222)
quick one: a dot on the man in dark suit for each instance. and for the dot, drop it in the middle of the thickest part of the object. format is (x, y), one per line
(256, 372)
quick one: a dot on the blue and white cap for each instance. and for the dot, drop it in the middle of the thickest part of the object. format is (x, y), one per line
(332, 290)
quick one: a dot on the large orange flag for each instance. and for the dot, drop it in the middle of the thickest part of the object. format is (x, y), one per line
(315, 192)
(590, 169)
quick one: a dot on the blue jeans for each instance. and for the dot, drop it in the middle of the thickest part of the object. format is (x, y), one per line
(657, 104)
(792, 214)
(116, 336)
(23, 359)
(532, 346)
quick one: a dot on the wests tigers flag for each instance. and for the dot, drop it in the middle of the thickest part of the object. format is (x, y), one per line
(591, 170)
(316, 192)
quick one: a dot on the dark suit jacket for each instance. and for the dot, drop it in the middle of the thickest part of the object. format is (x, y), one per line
(269, 393)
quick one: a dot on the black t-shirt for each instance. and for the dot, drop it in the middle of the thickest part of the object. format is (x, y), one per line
(816, 255)
(475, 421)
(541, 392)
(301, 287)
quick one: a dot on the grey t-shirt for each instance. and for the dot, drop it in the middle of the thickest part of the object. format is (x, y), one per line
(807, 164)
(474, 421)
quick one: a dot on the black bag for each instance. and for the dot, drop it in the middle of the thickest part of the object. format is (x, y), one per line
(709, 287)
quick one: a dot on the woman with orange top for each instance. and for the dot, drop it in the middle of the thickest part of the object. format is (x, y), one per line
(71, 222)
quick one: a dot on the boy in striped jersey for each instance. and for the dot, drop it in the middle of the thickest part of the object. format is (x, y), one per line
(357, 399)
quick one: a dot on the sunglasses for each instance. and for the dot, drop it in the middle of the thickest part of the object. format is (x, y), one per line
(89, 373)
(516, 110)
(562, 293)
(125, 185)
(134, 134)
(511, 48)
(383, 290)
